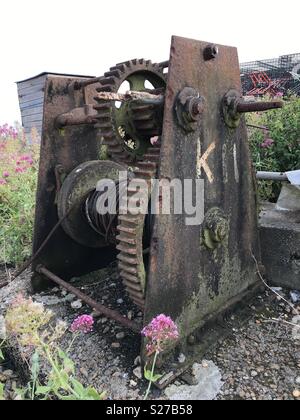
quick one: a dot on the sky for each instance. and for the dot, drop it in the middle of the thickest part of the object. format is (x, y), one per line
(87, 37)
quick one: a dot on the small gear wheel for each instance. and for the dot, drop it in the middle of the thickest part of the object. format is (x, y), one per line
(128, 127)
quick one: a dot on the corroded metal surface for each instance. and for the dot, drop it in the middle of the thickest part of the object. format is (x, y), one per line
(72, 197)
(98, 307)
(188, 280)
(68, 148)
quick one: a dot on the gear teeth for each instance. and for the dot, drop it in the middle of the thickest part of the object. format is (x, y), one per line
(148, 165)
(128, 219)
(108, 81)
(112, 73)
(151, 157)
(130, 231)
(132, 278)
(131, 263)
(128, 268)
(126, 239)
(131, 286)
(127, 260)
(125, 249)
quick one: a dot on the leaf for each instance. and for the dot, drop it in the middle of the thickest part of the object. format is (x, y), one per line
(69, 366)
(156, 377)
(1, 391)
(35, 366)
(149, 377)
(62, 354)
(42, 390)
(78, 387)
(93, 394)
(147, 374)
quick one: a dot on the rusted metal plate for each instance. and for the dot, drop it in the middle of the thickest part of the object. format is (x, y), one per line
(64, 149)
(188, 280)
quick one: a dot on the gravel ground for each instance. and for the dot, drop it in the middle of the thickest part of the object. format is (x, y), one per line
(259, 359)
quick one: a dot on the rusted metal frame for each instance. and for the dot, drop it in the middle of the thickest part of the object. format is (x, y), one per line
(271, 176)
(202, 269)
(110, 313)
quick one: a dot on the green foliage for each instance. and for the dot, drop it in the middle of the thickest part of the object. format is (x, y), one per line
(150, 376)
(18, 173)
(1, 391)
(30, 324)
(281, 155)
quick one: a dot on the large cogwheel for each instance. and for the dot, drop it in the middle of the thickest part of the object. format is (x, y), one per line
(135, 232)
(128, 127)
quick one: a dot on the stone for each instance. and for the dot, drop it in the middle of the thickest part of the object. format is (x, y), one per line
(296, 393)
(84, 372)
(137, 361)
(70, 297)
(120, 301)
(116, 345)
(208, 386)
(120, 336)
(297, 380)
(280, 237)
(77, 304)
(130, 314)
(138, 372)
(254, 374)
(132, 383)
(48, 300)
(2, 328)
(181, 358)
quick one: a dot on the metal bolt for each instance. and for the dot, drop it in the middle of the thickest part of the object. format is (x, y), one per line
(189, 106)
(195, 107)
(210, 52)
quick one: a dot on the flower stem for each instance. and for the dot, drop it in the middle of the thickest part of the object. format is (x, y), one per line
(56, 370)
(152, 374)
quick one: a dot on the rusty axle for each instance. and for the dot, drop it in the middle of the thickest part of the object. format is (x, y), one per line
(110, 313)
(243, 107)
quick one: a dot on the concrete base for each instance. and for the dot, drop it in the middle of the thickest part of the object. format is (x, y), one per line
(280, 246)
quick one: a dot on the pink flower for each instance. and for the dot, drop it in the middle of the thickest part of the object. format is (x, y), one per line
(20, 170)
(24, 157)
(2, 182)
(5, 174)
(160, 332)
(83, 323)
(267, 143)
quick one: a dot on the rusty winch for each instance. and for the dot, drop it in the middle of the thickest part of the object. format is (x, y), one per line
(176, 120)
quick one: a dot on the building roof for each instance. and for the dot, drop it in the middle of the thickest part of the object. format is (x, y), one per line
(55, 74)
